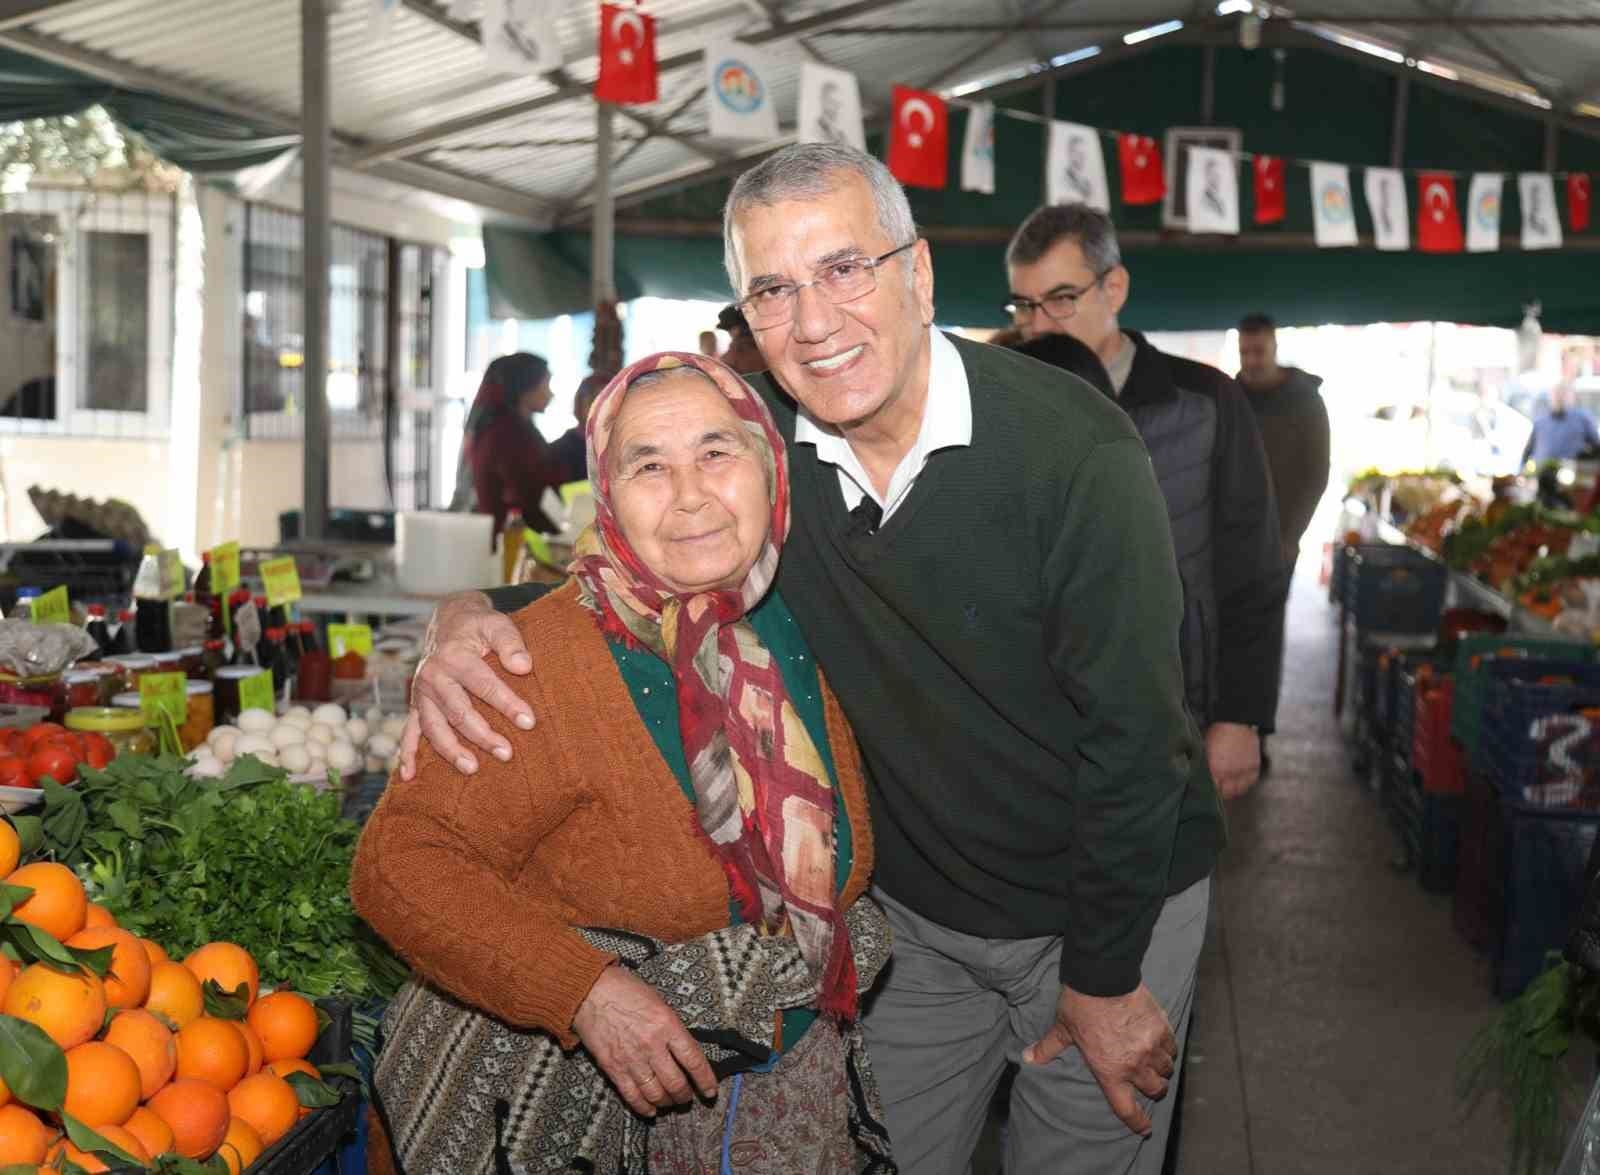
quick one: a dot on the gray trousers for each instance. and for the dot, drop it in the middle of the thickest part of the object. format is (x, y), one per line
(952, 1009)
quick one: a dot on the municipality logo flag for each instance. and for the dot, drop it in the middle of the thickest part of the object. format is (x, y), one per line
(977, 150)
(1333, 211)
(739, 92)
(1483, 212)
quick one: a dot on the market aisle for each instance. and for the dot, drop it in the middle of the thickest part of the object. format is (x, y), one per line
(1334, 995)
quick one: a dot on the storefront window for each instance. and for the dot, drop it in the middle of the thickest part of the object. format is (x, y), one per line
(114, 321)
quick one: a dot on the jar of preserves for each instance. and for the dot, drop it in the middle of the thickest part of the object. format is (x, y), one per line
(168, 662)
(48, 691)
(133, 667)
(202, 715)
(123, 727)
(226, 699)
(83, 689)
(193, 660)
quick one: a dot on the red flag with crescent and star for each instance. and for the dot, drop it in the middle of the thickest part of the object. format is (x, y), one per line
(919, 147)
(1144, 178)
(1578, 200)
(1438, 220)
(1270, 201)
(627, 56)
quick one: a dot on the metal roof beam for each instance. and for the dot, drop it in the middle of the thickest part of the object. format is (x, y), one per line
(16, 13)
(410, 144)
(1465, 31)
(1081, 24)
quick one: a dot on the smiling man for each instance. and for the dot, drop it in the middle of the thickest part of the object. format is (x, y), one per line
(983, 569)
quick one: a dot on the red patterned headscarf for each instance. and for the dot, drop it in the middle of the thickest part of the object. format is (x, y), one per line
(763, 797)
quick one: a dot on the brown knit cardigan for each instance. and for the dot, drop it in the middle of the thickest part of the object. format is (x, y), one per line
(478, 881)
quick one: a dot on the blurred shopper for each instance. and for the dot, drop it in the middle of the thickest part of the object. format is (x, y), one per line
(1067, 277)
(742, 354)
(1563, 432)
(568, 450)
(708, 343)
(505, 463)
(1293, 422)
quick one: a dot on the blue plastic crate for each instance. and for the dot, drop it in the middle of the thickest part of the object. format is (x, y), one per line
(1439, 840)
(1394, 589)
(1513, 701)
(1486, 650)
(1545, 852)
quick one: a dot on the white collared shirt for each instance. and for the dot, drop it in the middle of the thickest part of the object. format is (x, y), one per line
(946, 424)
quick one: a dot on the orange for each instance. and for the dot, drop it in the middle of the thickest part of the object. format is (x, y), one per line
(153, 1134)
(268, 1103)
(154, 950)
(212, 1051)
(8, 972)
(10, 848)
(98, 915)
(196, 1113)
(151, 1045)
(128, 981)
(58, 905)
(102, 1084)
(115, 1135)
(286, 1023)
(293, 1065)
(70, 1008)
(228, 964)
(175, 993)
(252, 1043)
(23, 1138)
(241, 1146)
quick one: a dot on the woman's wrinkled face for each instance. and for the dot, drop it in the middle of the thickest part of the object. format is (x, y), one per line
(688, 484)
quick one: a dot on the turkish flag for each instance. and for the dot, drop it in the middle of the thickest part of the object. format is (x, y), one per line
(1144, 178)
(1438, 221)
(1271, 204)
(1578, 200)
(919, 145)
(627, 56)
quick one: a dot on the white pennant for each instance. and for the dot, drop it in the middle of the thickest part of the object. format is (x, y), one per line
(519, 36)
(739, 92)
(977, 150)
(1333, 210)
(830, 107)
(380, 20)
(1389, 207)
(459, 9)
(1541, 219)
(1484, 200)
(1212, 191)
(1075, 172)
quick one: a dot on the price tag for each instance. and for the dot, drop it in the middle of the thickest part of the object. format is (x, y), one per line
(165, 691)
(171, 574)
(573, 489)
(349, 638)
(282, 578)
(224, 568)
(256, 693)
(538, 546)
(52, 607)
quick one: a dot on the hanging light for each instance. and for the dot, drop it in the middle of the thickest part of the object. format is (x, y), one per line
(1528, 335)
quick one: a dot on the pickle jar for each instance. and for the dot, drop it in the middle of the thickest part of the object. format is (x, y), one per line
(123, 727)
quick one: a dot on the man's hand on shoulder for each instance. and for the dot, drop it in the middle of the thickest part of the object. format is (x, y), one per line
(465, 630)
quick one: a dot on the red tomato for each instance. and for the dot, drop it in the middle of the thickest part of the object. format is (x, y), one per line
(54, 760)
(14, 772)
(42, 732)
(8, 737)
(97, 750)
(70, 739)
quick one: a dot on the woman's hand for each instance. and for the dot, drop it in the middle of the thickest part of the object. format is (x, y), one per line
(640, 1044)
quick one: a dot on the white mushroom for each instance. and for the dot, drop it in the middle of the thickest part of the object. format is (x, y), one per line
(342, 757)
(226, 747)
(207, 767)
(255, 744)
(320, 732)
(220, 732)
(256, 721)
(299, 715)
(356, 731)
(394, 727)
(296, 760)
(374, 715)
(382, 746)
(331, 714)
(286, 734)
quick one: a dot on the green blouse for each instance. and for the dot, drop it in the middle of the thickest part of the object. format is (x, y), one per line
(649, 682)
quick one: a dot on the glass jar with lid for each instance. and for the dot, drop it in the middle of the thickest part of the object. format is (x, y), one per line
(125, 728)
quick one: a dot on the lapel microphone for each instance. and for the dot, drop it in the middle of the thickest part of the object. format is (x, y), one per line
(865, 518)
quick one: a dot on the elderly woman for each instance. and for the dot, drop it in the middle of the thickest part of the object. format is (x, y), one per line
(668, 872)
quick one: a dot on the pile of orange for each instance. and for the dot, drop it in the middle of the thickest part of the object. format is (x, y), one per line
(157, 1075)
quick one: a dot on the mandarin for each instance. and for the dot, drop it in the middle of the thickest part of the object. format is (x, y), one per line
(268, 1103)
(151, 1045)
(293, 1065)
(102, 1084)
(115, 1135)
(8, 972)
(23, 1138)
(197, 1115)
(154, 950)
(98, 915)
(228, 964)
(58, 905)
(241, 1146)
(70, 1008)
(128, 982)
(252, 1044)
(286, 1024)
(10, 848)
(175, 993)
(213, 1051)
(153, 1134)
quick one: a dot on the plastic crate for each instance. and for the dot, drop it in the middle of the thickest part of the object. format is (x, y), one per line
(1474, 655)
(318, 1138)
(1439, 839)
(1402, 804)
(1394, 656)
(1479, 895)
(1434, 756)
(1395, 589)
(1544, 856)
(1514, 699)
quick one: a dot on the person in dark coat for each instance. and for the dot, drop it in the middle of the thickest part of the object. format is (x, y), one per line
(1069, 354)
(504, 459)
(568, 450)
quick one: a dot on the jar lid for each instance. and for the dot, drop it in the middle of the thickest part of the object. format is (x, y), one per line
(167, 658)
(191, 651)
(134, 661)
(199, 687)
(81, 677)
(129, 701)
(104, 718)
(239, 672)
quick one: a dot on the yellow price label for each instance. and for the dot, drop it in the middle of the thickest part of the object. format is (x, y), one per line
(573, 489)
(256, 693)
(52, 607)
(282, 579)
(349, 638)
(171, 574)
(224, 568)
(165, 691)
(538, 546)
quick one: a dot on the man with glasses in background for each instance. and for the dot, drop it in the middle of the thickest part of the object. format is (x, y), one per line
(982, 567)
(1067, 277)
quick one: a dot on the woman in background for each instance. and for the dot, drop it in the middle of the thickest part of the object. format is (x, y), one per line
(505, 463)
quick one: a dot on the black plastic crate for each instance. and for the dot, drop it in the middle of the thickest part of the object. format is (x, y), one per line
(1394, 589)
(320, 1134)
(1480, 864)
(1440, 839)
(1402, 804)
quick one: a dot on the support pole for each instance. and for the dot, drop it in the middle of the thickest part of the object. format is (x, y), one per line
(1402, 115)
(316, 253)
(1552, 139)
(602, 259)
(1047, 107)
(1208, 87)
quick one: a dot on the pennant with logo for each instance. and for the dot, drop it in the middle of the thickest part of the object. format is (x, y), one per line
(830, 107)
(1541, 219)
(381, 18)
(1212, 191)
(919, 144)
(739, 92)
(1578, 201)
(1075, 170)
(627, 57)
(1271, 204)
(977, 150)
(1386, 202)
(1333, 211)
(519, 36)
(1144, 178)
(1438, 221)
(1484, 198)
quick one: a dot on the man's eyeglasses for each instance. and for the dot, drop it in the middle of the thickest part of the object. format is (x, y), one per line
(1058, 304)
(843, 281)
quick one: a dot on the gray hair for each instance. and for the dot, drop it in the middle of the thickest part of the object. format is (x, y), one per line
(808, 171)
(1090, 230)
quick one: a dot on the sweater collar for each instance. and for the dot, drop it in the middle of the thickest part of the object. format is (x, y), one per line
(1150, 381)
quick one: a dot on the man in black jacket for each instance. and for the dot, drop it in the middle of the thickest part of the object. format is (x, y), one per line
(1067, 277)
